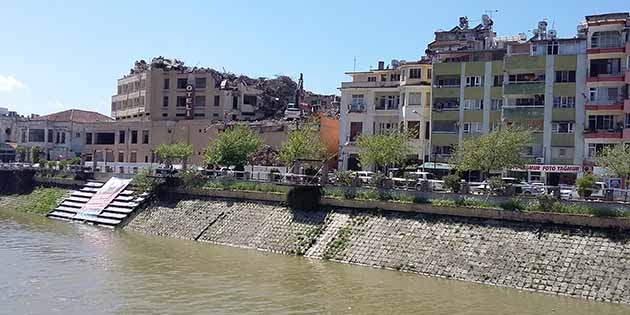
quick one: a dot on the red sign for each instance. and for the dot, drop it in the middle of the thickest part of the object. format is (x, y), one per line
(190, 98)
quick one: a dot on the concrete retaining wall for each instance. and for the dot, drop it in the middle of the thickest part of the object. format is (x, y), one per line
(583, 263)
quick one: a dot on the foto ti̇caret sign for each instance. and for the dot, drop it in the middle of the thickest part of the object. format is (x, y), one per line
(190, 98)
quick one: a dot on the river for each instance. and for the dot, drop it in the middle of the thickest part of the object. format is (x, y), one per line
(50, 267)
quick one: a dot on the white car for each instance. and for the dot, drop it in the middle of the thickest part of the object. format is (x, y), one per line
(365, 176)
(436, 184)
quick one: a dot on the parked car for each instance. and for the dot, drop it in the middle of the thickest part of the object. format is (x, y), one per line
(532, 189)
(570, 192)
(365, 176)
(420, 177)
(520, 187)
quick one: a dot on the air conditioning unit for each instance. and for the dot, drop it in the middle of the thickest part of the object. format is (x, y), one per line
(540, 160)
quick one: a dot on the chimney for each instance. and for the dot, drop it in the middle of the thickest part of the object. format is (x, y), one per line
(381, 65)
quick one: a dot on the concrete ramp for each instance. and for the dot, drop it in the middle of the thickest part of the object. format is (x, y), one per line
(107, 204)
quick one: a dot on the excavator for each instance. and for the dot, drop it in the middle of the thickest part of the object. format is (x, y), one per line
(293, 110)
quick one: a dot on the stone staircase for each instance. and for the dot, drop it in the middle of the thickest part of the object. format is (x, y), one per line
(114, 214)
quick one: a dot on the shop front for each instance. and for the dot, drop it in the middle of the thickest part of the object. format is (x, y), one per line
(552, 175)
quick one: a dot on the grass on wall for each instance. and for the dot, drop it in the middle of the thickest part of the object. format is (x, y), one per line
(40, 201)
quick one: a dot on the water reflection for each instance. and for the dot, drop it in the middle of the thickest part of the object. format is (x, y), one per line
(53, 267)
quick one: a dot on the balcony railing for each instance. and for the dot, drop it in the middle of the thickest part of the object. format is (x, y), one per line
(371, 84)
(606, 77)
(603, 133)
(357, 108)
(524, 112)
(525, 88)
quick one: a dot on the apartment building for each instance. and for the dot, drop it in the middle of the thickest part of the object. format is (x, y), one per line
(607, 106)
(482, 81)
(166, 89)
(396, 97)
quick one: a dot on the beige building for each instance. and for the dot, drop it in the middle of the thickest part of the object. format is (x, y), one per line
(167, 90)
(396, 97)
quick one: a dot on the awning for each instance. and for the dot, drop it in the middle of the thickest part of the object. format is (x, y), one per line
(436, 166)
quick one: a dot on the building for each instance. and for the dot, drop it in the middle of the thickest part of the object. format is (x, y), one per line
(482, 82)
(168, 90)
(59, 135)
(382, 100)
(607, 106)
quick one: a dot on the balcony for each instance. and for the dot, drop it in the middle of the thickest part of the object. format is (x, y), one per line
(373, 84)
(525, 88)
(608, 50)
(606, 77)
(523, 112)
(605, 104)
(357, 108)
(603, 133)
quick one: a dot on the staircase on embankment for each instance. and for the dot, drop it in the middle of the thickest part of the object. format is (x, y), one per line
(125, 203)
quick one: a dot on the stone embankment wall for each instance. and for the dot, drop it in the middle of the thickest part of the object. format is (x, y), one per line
(582, 263)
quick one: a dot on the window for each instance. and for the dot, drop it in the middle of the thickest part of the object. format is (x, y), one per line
(235, 102)
(63, 137)
(427, 99)
(371, 79)
(88, 138)
(165, 101)
(36, 135)
(181, 101)
(473, 104)
(595, 148)
(627, 121)
(414, 128)
(180, 114)
(200, 83)
(601, 122)
(383, 77)
(415, 98)
(498, 80)
(357, 105)
(387, 102)
(610, 67)
(133, 156)
(474, 81)
(121, 156)
(145, 136)
(429, 74)
(356, 128)
(496, 104)
(565, 76)
(472, 127)
(217, 100)
(181, 83)
(164, 114)
(167, 84)
(104, 138)
(386, 127)
(562, 127)
(610, 39)
(564, 102)
(427, 130)
(200, 100)
(394, 77)
(562, 152)
(121, 137)
(50, 136)
(201, 115)
(250, 100)
(134, 136)
(552, 48)
(415, 73)
(446, 81)
(403, 75)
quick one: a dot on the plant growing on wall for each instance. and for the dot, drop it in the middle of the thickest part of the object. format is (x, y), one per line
(173, 153)
(494, 151)
(383, 150)
(303, 143)
(616, 159)
(233, 146)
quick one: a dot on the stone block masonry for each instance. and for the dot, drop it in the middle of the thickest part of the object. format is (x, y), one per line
(582, 263)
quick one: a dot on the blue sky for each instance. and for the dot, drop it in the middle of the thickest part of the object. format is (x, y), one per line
(56, 55)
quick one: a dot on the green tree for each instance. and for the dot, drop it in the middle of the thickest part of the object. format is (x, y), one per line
(616, 159)
(303, 143)
(383, 150)
(494, 151)
(36, 153)
(233, 146)
(22, 153)
(174, 153)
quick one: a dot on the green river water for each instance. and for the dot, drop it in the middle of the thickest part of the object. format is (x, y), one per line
(50, 267)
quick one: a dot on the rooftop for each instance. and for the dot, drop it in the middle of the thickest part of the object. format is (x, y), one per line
(76, 115)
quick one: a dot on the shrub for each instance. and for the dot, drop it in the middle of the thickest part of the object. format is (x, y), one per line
(343, 178)
(334, 193)
(190, 178)
(443, 202)
(349, 194)
(473, 202)
(368, 194)
(585, 185)
(420, 199)
(512, 204)
(404, 198)
(144, 181)
(452, 182)
(304, 198)
(377, 179)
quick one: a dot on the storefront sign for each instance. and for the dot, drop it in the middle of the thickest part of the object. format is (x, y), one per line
(554, 168)
(190, 98)
(102, 198)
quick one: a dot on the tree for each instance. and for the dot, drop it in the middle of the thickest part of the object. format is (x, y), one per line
(497, 150)
(616, 159)
(36, 153)
(303, 143)
(21, 153)
(233, 146)
(383, 150)
(174, 153)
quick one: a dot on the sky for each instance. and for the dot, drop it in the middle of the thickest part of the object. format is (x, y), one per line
(57, 55)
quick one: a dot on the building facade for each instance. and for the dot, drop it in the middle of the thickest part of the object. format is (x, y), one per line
(397, 97)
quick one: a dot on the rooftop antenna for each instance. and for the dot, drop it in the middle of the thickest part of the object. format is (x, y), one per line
(355, 64)
(489, 12)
